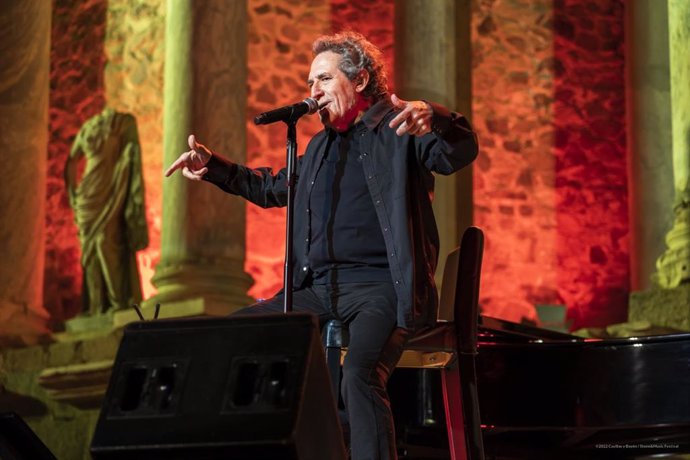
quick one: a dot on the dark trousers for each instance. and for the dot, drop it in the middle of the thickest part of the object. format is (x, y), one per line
(369, 311)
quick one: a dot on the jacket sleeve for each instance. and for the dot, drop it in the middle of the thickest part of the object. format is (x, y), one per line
(451, 145)
(260, 185)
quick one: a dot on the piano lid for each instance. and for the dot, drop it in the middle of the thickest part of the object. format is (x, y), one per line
(507, 330)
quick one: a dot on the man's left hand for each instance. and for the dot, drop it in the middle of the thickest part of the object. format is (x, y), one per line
(414, 117)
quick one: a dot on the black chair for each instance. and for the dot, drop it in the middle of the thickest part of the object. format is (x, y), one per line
(450, 346)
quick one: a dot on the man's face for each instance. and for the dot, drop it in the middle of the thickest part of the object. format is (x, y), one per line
(330, 86)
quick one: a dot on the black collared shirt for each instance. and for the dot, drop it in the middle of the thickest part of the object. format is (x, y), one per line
(398, 173)
(346, 244)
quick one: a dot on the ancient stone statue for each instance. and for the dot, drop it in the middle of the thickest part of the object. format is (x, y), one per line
(108, 204)
(673, 267)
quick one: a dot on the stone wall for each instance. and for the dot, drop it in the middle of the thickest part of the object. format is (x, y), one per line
(547, 103)
(512, 111)
(592, 250)
(280, 38)
(64, 416)
(372, 18)
(279, 57)
(550, 182)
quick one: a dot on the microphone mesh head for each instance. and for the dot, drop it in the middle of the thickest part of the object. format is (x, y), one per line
(312, 104)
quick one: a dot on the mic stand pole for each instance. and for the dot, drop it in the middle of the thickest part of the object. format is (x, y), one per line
(291, 182)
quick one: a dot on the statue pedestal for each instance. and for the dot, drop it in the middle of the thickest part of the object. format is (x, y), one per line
(197, 306)
(88, 325)
(84, 327)
(58, 388)
(662, 307)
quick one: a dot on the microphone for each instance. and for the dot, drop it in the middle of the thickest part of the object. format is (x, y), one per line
(289, 113)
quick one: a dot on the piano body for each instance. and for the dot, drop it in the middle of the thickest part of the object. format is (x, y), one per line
(544, 394)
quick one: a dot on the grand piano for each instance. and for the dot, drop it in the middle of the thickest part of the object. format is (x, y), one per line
(544, 394)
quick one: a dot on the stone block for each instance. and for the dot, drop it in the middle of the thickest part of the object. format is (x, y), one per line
(662, 307)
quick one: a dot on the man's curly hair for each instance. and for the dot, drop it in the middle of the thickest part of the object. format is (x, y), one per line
(356, 54)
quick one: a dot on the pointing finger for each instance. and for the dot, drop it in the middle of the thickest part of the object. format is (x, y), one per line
(177, 164)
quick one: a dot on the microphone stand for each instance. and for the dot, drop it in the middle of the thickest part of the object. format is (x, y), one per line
(290, 115)
(289, 219)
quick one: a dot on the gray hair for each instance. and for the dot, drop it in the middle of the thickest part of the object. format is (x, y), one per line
(356, 54)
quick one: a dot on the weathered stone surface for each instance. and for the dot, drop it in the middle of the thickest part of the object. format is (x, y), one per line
(591, 171)
(272, 82)
(673, 267)
(279, 57)
(373, 19)
(662, 307)
(63, 427)
(519, 251)
(24, 80)
(552, 103)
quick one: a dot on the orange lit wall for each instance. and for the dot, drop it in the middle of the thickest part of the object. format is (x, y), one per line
(548, 105)
(514, 196)
(280, 37)
(592, 246)
(550, 182)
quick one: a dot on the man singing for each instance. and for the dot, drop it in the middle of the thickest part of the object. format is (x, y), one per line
(365, 238)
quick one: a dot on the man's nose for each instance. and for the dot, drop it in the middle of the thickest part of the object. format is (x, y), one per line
(316, 91)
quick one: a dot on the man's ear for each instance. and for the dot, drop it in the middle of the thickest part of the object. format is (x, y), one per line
(361, 81)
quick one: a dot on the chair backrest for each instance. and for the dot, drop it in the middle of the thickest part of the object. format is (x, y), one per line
(467, 289)
(446, 304)
(456, 273)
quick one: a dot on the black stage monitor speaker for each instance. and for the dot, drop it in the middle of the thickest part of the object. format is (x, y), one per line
(19, 442)
(245, 387)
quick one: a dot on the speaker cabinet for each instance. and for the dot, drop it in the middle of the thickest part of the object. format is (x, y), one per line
(19, 442)
(244, 387)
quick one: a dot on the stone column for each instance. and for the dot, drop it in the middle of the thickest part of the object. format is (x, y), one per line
(201, 270)
(649, 135)
(432, 61)
(673, 267)
(24, 83)
(667, 302)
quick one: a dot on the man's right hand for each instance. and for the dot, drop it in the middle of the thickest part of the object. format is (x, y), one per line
(192, 163)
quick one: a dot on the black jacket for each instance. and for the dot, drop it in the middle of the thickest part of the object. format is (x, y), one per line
(398, 172)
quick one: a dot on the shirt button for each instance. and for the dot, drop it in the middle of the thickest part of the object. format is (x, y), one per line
(397, 281)
(304, 269)
(385, 229)
(371, 177)
(312, 182)
(378, 201)
(306, 239)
